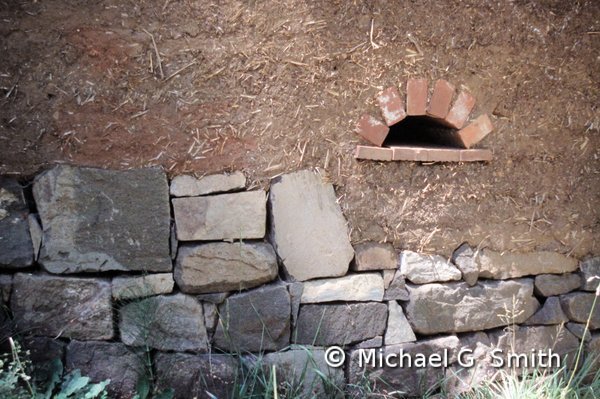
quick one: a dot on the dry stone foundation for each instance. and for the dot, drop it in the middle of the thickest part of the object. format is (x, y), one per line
(104, 268)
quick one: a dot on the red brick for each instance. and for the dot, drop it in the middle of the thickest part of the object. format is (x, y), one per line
(460, 111)
(475, 131)
(392, 106)
(373, 153)
(441, 99)
(417, 91)
(443, 155)
(372, 129)
(475, 155)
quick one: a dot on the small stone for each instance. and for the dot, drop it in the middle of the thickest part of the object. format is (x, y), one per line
(308, 229)
(577, 307)
(423, 269)
(16, 249)
(464, 258)
(211, 317)
(6, 281)
(101, 361)
(550, 313)
(345, 324)
(295, 290)
(388, 276)
(374, 256)
(512, 265)
(66, 307)
(36, 235)
(579, 331)
(556, 284)
(398, 329)
(590, 274)
(221, 266)
(142, 286)
(254, 321)
(353, 288)
(97, 220)
(196, 376)
(189, 186)
(221, 217)
(174, 322)
(397, 290)
(375, 342)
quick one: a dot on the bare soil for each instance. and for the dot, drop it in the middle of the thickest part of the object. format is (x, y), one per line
(271, 87)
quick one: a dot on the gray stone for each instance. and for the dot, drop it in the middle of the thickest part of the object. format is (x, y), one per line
(221, 266)
(215, 298)
(189, 186)
(16, 249)
(374, 256)
(456, 307)
(221, 217)
(361, 287)
(397, 290)
(96, 220)
(578, 306)
(303, 369)
(211, 317)
(423, 269)
(398, 329)
(142, 286)
(512, 265)
(590, 274)
(464, 258)
(68, 307)
(43, 352)
(308, 229)
(375, 342)
(254, 321)
(6, 281)
(344, 324)
(173, 243)
(593, 355)
(472, 339)
(108, 360)
(35, 230)
(412, 380)
(174, 322)
(295, 289)
(196, 376)
(579, 330)
(550, 313)
(524, 340)
(388, 276)
(556, 284)
(476, 368)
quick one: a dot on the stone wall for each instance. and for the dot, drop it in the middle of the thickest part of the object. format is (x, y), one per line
(101, 266)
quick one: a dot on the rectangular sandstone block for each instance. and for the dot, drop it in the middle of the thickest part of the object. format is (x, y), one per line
(373, 153)
(475, 131)
(221, 217)
(372, 129)
(417, 91)
(392, 106)
(475, 155)
(460, 111)
(425, 154)
(441, 99)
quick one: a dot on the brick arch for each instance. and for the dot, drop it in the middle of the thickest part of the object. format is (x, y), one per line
(464, 132)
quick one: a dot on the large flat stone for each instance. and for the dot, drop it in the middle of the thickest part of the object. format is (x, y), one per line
(305, 367)
(374, 256)
(16, 249)
(398, 329)
(422, 269)
(512, 265)
(174, 322)
(344, 324)
(125, 287)
(221, 217)
(353, 288)
(578, 306)
(590, 274)
(221, 266)
(96, 220)
(308, 230)
(189, 186)
(108, 360)
(69, 307)
(556, 284)
(254, 321)
(456, 307)
(410, 379)
(196, 376)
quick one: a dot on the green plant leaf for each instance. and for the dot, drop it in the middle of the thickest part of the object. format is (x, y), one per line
(166, 394)
(97, 389)
(143, 387)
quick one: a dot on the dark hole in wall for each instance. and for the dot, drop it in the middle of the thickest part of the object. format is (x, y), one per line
(422, 131)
